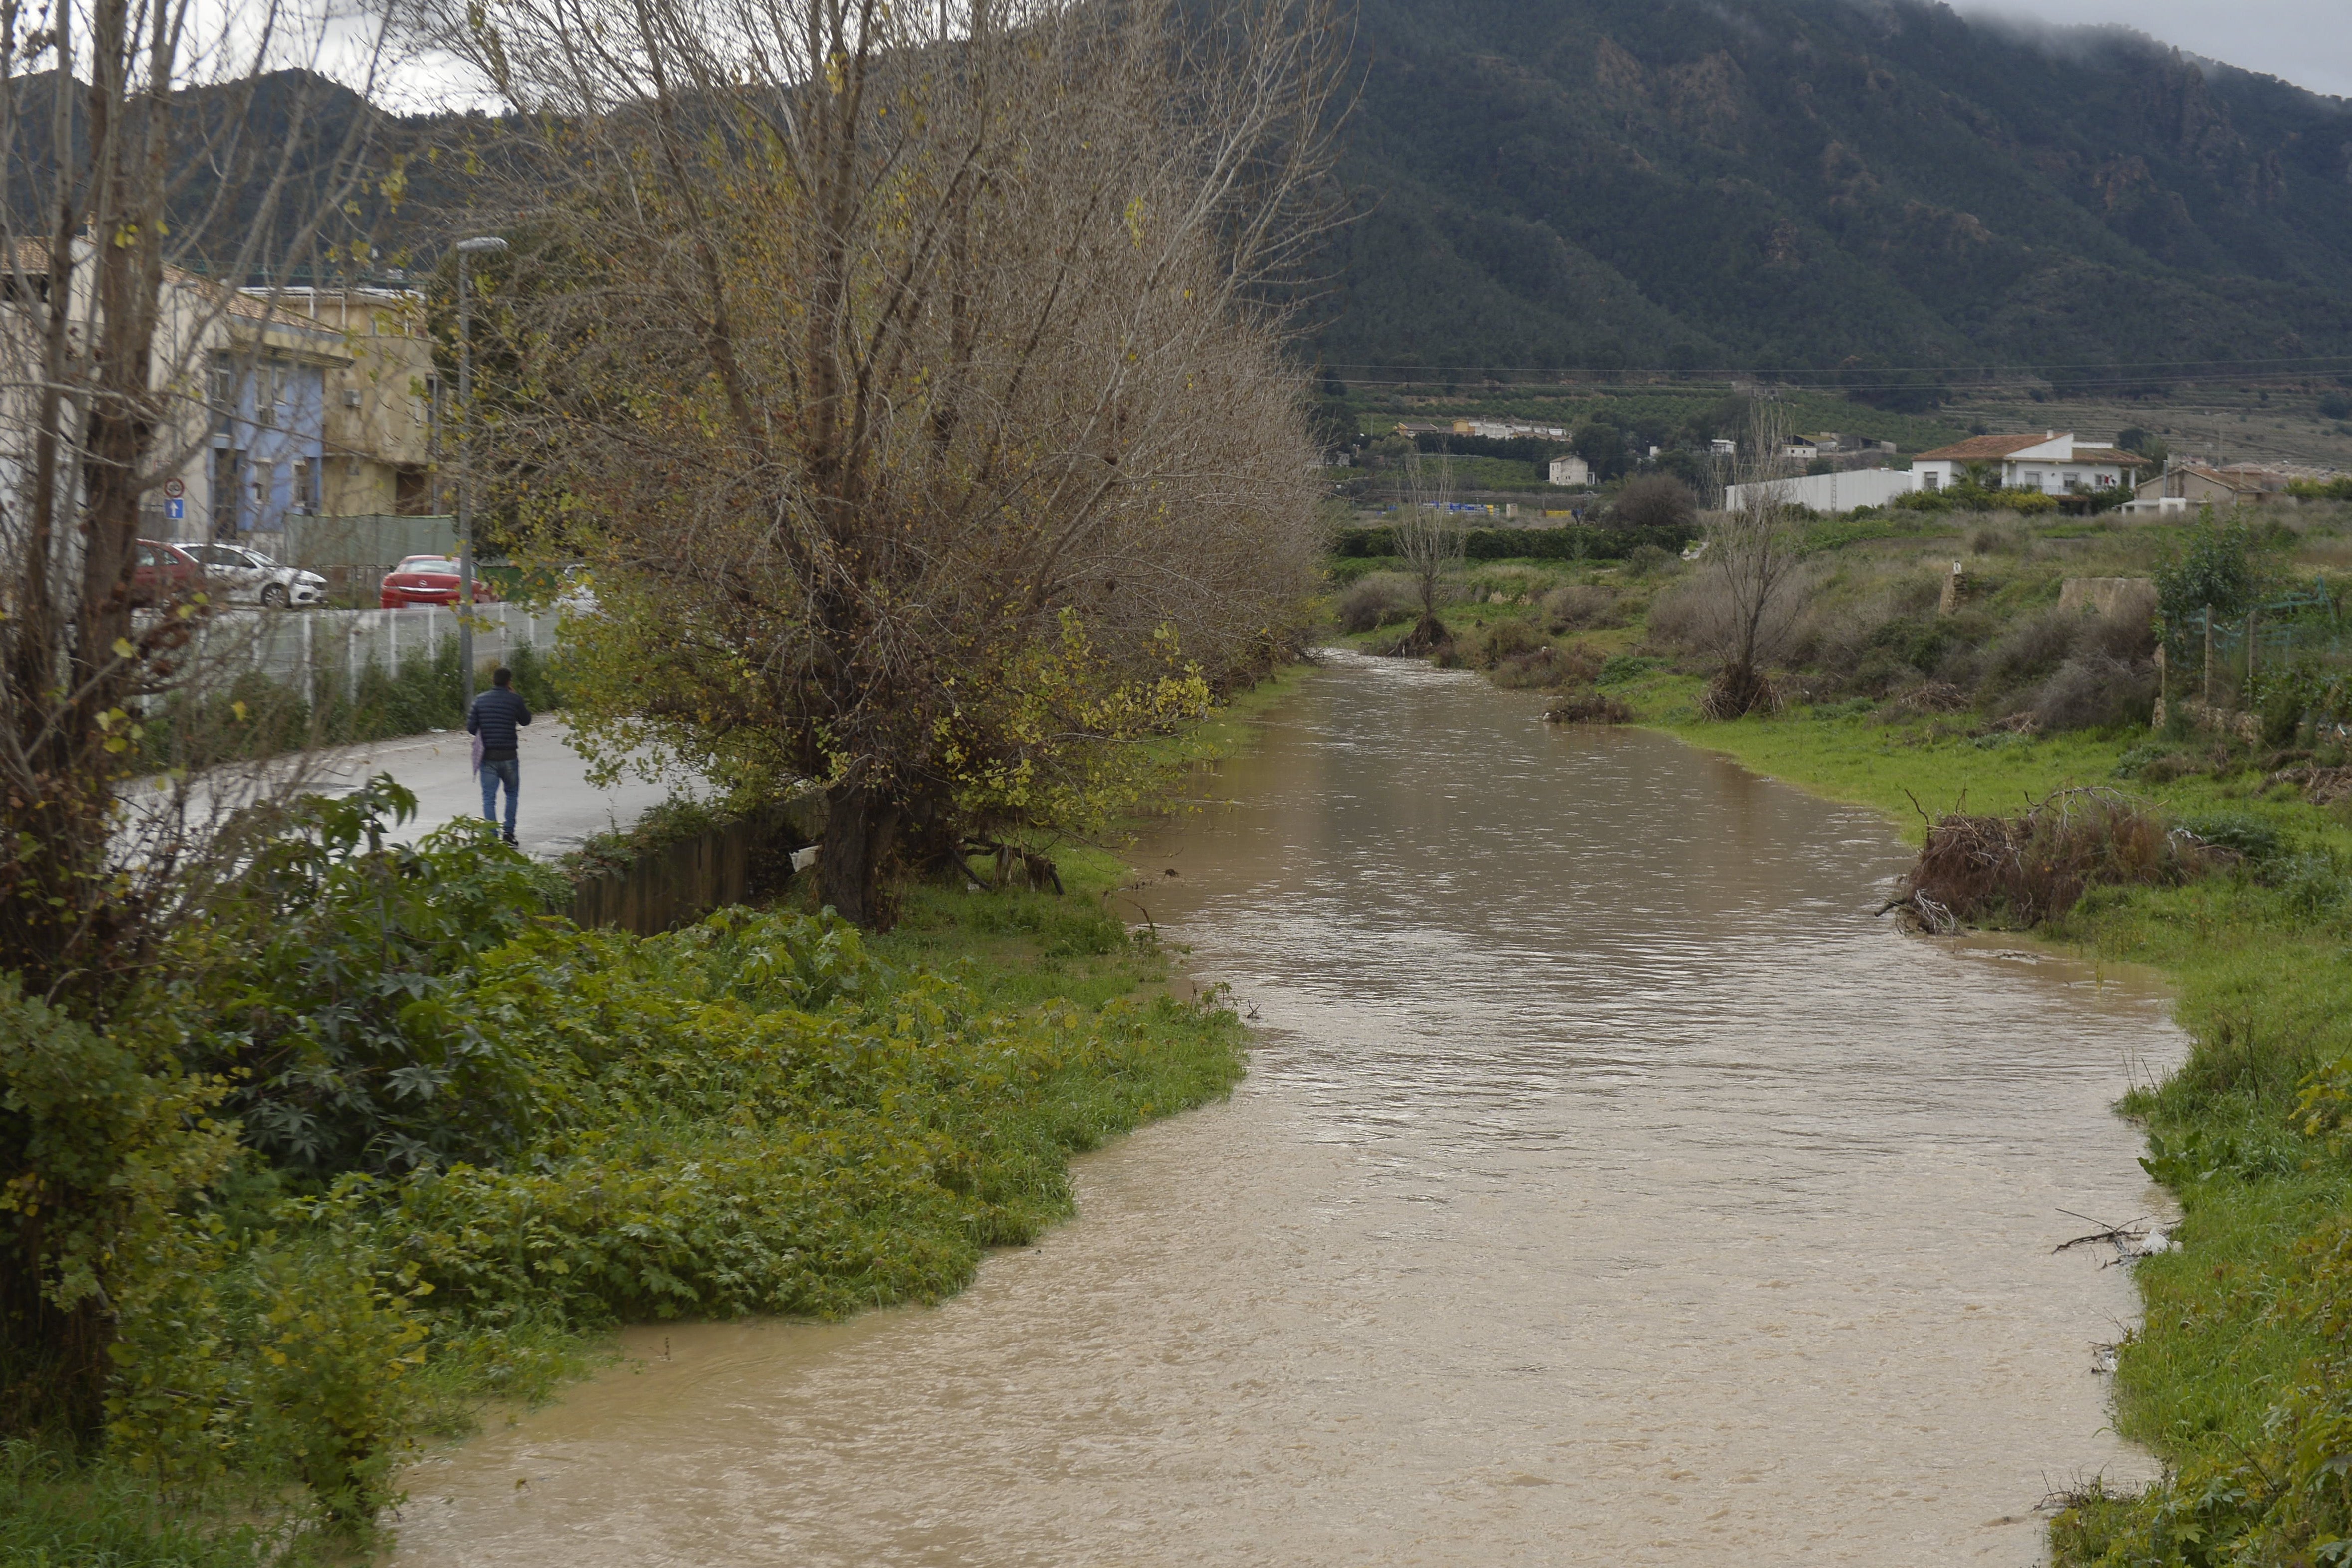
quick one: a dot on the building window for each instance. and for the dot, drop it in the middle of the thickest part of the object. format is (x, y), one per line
(224, 484)
(1934, 481)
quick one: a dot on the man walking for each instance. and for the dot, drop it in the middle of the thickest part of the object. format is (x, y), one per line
(497, 714)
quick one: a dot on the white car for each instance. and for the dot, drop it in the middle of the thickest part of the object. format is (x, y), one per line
(248, 574)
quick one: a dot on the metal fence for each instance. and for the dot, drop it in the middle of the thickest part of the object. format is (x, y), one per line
(315, 649)
(2225, 661)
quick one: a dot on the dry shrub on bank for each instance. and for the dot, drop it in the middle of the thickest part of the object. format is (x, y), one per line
(1588, 705)
(1582, 604)
(1487, 648)
(2024, 871)
(1374, 601)
(1546, 667)
(2096, 691)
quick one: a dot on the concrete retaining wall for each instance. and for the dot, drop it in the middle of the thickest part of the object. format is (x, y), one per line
(679, 883)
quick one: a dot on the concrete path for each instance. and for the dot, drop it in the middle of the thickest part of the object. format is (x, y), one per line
(559, 806)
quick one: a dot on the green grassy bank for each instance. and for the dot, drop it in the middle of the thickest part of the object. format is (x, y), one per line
(2238, 1377)
(492, 1137)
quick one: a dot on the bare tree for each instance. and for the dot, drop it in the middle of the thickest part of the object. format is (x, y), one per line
(911, 382)
(144, 214)
(1743, 605)
(1430, 538)
(152, 159)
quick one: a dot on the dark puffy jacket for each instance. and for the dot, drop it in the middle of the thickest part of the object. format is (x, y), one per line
(498, 714)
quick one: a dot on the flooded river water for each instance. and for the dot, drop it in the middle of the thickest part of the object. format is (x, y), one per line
(1609, 1187)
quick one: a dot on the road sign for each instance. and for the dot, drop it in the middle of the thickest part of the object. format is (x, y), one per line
(174, 489)
(175, 509)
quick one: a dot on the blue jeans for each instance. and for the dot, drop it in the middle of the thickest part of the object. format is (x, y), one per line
(511, 771)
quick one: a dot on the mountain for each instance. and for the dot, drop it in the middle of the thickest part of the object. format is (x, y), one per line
(1879, 190)
(1883, 187)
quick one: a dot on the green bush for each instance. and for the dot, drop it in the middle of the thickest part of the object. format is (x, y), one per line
(2212, 569)
(330, 987)
(2236, 832)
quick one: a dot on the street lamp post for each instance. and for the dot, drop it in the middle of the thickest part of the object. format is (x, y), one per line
(488, 245)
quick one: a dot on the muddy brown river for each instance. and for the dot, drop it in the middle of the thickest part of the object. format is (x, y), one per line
(1607, 1187)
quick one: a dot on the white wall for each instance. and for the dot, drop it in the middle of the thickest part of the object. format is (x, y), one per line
(1830, 493)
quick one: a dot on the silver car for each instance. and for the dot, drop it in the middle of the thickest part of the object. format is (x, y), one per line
(249, 576)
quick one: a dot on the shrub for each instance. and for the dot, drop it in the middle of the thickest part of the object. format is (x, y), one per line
(329, 984)
(2032, 649)
(2095, 692)
(2242, 834)
(1504, 639)
(1587, 705)
(1374, 601)
(2024, 871)
(1581, 604)
(1645, 559)
(1655, 501)
(2215, 568)
(1546, 667)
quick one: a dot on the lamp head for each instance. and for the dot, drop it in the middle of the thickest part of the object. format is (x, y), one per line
(485, 245)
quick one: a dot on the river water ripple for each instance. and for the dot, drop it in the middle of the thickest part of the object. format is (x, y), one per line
(1609, 1188)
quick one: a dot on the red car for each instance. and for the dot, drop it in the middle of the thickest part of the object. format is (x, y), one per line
(430, 580)
(161, 573)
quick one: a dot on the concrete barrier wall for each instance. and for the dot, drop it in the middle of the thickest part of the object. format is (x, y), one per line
(679, 883)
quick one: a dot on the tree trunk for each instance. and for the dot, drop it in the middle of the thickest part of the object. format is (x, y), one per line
(860, 825)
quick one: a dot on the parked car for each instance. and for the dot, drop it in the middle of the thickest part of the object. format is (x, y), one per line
(246, 575)
(163, 572)
(430, 580)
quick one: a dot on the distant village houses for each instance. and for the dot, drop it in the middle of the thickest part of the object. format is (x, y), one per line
(1510, 429)
(1571, 470)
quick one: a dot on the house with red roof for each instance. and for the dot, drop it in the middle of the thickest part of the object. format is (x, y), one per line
(2053, 462)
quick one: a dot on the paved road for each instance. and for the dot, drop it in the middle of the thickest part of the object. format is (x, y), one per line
(559, 806)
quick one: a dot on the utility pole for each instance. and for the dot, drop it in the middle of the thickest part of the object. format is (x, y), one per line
(484, 245)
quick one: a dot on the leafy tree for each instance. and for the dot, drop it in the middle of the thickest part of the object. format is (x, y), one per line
(870, 390)
(1654, 501)
(2213, 568)
(1602, 446)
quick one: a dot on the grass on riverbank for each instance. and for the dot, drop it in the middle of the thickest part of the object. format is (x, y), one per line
(765, 1112)
(2238, 1377)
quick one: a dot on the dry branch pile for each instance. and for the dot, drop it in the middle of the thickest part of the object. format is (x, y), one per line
(1588, 705)
(2022, 871)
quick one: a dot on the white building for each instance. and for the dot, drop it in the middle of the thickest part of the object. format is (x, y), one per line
(1507, 430)
(2053, 462)
(1571, 470)
(1828, 492)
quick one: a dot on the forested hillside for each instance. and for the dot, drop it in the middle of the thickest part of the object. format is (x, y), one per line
(1819, 183)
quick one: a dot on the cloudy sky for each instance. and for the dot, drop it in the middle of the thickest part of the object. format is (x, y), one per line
(2307, 42)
